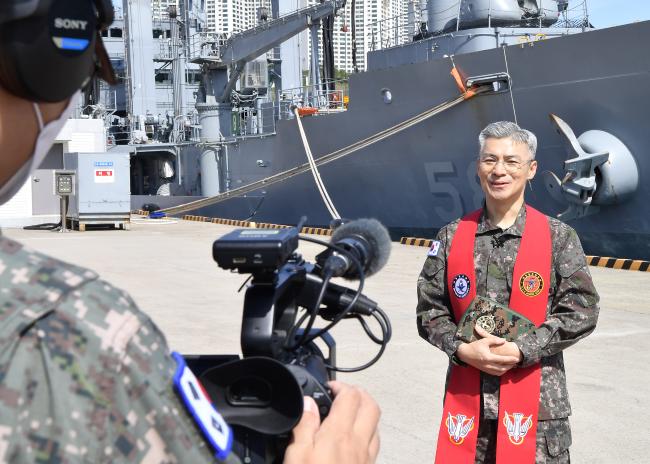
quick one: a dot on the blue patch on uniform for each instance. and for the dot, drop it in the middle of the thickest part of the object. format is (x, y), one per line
(69, 43)
(461, 285)
(215, 429)
(433, 249)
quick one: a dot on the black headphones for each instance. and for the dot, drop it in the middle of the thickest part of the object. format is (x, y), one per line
(49, 49)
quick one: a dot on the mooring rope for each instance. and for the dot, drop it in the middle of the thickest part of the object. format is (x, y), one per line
(329, 204)
(335, 155)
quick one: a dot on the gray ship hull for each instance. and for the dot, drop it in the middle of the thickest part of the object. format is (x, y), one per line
(424, 177)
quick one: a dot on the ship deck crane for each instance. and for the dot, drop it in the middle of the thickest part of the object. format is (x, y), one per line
(252, 43)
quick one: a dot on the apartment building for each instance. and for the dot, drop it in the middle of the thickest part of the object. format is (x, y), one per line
(231, 16)
(376, 21)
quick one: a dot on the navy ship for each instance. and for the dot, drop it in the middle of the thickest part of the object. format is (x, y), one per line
(399, 142)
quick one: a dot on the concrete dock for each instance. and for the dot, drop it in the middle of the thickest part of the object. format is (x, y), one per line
(168, 269)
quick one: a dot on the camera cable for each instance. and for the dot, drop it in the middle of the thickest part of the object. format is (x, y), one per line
(314, 310)
(382, 319)
(354, 300)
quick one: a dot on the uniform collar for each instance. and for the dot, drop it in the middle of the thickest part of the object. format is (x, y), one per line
(517, 229)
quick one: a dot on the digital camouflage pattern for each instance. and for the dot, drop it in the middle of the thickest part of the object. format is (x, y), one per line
(85, 376)
(497, 319)
(572, 309)
(553, 440)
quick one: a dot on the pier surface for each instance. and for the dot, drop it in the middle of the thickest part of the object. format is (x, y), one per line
(169, 271)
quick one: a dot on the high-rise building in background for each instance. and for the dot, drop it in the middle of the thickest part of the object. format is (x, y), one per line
(231, 16)
(376, 21)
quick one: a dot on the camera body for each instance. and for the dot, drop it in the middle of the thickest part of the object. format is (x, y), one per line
(261, 395)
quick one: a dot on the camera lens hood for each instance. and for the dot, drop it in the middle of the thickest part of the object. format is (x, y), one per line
(258, 393)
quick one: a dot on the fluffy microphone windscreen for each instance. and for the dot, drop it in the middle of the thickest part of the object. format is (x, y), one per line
(377, 236)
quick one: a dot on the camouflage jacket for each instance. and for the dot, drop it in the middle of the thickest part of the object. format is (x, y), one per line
(572, 309)
(85, 376)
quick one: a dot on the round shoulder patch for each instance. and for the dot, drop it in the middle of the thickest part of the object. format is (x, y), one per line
(531, 283)
(461, 285)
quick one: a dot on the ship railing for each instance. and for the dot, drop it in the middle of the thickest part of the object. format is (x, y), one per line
(331, 99)
(395, 31)
(163, 49)
(258, 117)
(256, 120)
(206, 46)
(577, 16)
(405, 28)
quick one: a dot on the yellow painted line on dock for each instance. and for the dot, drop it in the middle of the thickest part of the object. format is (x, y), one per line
(619, 263)
(600, 261)
(255, 225)
(315, 231)
(414, 241)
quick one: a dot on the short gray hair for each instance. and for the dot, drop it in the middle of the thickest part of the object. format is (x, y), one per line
(508, 129)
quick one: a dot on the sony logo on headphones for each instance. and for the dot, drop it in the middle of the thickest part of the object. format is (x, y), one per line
(65, 23)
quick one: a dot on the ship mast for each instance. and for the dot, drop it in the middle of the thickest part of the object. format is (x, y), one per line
(178, 70)
(138, 43)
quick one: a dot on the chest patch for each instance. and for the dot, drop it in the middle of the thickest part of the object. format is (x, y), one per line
(461, 285)
(214, 428)
(531, 283)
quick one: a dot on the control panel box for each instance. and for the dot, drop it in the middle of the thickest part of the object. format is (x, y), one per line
(64, 183)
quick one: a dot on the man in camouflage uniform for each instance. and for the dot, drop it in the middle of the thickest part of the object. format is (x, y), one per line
(506, 163)
(86, 377)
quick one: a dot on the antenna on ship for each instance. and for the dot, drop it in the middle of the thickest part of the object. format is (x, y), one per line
(178, 70)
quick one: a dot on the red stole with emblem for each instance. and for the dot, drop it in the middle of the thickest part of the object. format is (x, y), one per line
(519, 393)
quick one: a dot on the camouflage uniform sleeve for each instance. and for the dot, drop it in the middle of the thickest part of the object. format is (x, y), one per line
(435, 320)
(151, 424)
(574, 308)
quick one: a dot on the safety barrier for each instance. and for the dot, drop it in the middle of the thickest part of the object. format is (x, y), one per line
(255, 225)
(619, 263)
(600, 261)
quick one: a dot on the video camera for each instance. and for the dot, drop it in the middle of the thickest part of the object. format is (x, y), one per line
(261, 395)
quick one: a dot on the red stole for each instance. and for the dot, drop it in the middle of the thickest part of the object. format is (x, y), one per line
(519, 393)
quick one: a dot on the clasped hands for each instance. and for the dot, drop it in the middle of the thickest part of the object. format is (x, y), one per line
(490, 354)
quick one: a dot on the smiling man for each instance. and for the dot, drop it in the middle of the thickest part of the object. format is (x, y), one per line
(506, 398)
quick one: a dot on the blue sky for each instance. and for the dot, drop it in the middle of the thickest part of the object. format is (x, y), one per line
(603, 13)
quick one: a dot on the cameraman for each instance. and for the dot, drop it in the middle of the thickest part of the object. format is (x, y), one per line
(85, 376)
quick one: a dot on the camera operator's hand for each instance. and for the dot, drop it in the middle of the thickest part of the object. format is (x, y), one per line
(349, 434)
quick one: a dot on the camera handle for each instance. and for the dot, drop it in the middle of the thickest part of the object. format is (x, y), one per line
(270, 310)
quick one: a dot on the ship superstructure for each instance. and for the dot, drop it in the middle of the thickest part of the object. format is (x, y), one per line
(398, 141)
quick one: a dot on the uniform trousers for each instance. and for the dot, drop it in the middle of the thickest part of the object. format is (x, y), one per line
(553, 442)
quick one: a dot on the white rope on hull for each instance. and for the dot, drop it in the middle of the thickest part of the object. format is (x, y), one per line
(329, 204)
(282, 176)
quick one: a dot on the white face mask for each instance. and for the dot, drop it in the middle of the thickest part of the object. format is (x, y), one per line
(46, 136)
